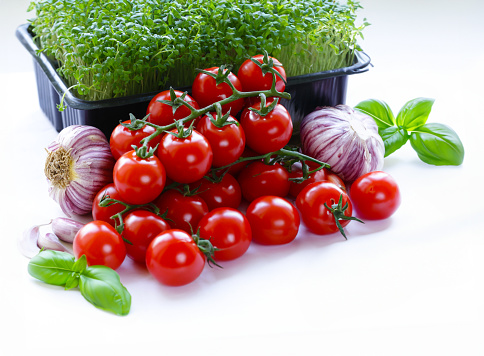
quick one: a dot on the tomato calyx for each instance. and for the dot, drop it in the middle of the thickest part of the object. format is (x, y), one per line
(222, 75)
(338, 211)
(176, 101)
(206, 247)
(267, 66)
(107, 201)
(220, 120)
(264, 108)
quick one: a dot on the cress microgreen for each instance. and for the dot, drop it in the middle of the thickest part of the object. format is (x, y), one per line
(434, 143)
(108, 49)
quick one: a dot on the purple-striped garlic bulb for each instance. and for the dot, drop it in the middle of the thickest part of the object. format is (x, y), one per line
(78, 165)
(346, 139)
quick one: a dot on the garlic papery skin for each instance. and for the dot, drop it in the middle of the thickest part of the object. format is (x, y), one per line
(346, 139)
(78, 165)
(65, 228)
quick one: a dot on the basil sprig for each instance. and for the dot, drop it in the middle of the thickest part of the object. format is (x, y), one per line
(100, 285)
(434, 143)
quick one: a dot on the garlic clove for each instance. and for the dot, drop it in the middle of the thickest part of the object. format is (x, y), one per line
(65, 228)
(27, 243)
(49, 241)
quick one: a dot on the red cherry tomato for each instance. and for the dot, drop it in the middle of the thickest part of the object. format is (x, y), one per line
(140, 228)
(274, 220)
(252, 79)
(138, 180)
(105, 213)
(227, 142)
(259, 179)
(174, 259)
(206, 91)
(236, 168)
(223, 193)
(101, 244)
(314, 214)
(123, 138)
(186, 159)
(375, 195)
(162, 114)
(229, 232)
(318, 176)
(267, 133)
(182, 211)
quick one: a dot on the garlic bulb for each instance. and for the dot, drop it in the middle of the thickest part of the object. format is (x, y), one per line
(346, 139)
(78, 165)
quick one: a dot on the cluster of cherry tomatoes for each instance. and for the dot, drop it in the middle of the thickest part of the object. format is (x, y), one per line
(183, 203)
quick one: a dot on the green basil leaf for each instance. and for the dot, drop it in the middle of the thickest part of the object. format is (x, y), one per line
(72, 281)
(393, 138)
(414, 113)
(101, 286)
(80, 265)
(437, 144)
(379, 111)
(52, 267)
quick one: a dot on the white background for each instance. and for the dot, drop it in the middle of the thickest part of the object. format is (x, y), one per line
(411, 285)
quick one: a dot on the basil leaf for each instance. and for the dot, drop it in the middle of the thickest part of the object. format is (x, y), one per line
(101, 286)
(437, 144)
(52, 267)
(414, 113)
(393, 138)
(379, 111)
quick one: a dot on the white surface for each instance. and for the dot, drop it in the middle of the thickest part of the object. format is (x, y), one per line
(412, 285)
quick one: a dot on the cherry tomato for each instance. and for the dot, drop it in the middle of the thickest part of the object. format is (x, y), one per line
(174, 259)
(252, 79)
(229, 232)
(236, 168)
(314, 214)
(140, 228)
(123, 138)
(318, 176)
(375, 195)
(101, 244)
(186, 159)
(267, 133)
(223, 193)
(182, 211)
(274, 220)
(259, 179)
(138, 180)
(227, 142)
(206, 91)
(105, 213)
(162, 114)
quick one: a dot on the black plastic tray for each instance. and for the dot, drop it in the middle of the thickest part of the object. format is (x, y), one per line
(307, 92)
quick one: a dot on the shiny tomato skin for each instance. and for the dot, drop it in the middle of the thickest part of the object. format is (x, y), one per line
(138, 180)
(310, 203)
(252, 79)
(186, 159)
(105, 213)
(274, 220)
(225, 193)
(123, 138)
(268, 133)
(174, 259)
(140, 228)
(258, 179)
(206, 91)
(318, 176)
(162, 114)
(227, 142)
(375, 195)
(229, 232)
(236, 168)
(101, 244)
(183, 212)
